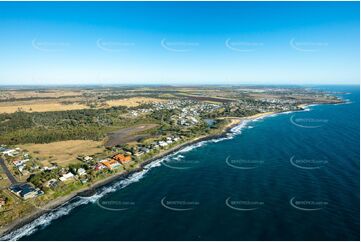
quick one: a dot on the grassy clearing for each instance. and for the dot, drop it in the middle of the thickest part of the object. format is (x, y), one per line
(134, 101)
(63, 152)
(38, 107)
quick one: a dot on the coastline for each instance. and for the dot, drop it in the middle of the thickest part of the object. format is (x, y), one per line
(88, 191)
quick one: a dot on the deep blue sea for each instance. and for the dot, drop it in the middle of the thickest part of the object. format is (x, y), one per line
(292, 176)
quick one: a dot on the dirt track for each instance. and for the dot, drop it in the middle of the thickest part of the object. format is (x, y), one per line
(126, 135)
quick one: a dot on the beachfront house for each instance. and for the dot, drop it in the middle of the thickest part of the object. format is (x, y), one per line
(81, 172)
(162, 143)
(111, 164)
(122, 158)
(25, 190)
(99, 166)
(66, 177)
(52, 183)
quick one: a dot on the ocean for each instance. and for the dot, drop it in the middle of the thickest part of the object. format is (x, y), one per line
(292, 176)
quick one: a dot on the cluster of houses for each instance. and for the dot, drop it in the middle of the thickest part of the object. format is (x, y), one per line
(190, 110)
(20, 159)
(262, 105)
(20, 164)
(144, 149)
(278, 104)
(28, 191)
(114, 162)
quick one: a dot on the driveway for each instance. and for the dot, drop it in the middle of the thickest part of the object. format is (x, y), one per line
(7, 172)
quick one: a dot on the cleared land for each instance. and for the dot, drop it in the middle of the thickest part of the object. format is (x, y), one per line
(134, 101)
(63, 152)
(128, 135)
(38, 94)
(12, 107)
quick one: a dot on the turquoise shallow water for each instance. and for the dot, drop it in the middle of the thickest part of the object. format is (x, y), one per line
(293, 176)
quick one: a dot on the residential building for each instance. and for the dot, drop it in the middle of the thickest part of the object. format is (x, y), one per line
(66, 177)
(122, 158)
(25, 191)
(81, 171)
(111, 164)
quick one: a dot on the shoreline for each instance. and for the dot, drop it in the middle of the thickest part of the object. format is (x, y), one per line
(85, 192)
(88, 191)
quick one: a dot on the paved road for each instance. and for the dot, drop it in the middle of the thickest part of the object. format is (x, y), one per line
(7, 172)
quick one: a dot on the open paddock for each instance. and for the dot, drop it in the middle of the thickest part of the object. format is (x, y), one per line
(63, 152)
(133, 102)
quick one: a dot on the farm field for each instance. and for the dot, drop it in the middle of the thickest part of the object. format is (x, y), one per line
(38, 107)
(22, 94)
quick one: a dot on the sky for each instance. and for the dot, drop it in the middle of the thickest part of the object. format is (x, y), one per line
(179, 43)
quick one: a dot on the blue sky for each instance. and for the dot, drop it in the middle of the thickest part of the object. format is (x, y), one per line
(179, 43)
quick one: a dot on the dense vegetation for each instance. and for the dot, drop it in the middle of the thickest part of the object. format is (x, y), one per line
(23, 127)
